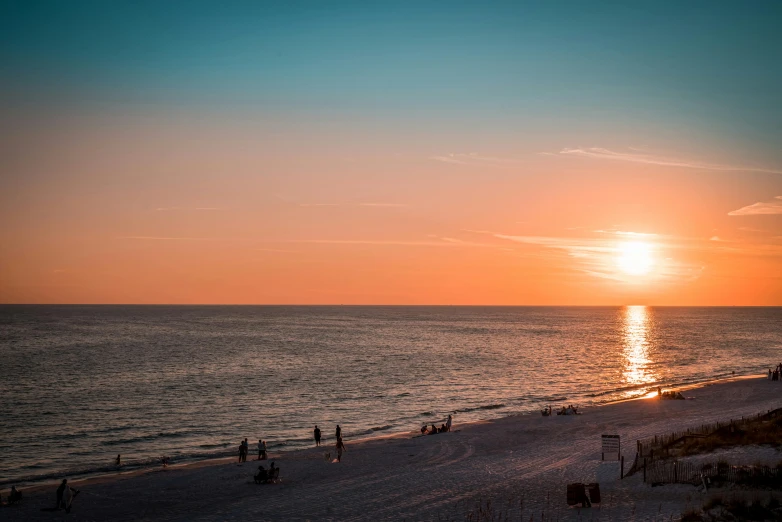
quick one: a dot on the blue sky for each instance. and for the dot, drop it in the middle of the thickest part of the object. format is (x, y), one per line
(712, 61)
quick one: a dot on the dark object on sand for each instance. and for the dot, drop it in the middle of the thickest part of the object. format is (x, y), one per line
(15, 496)
(577, 494)
(264, 476)
(671, 396)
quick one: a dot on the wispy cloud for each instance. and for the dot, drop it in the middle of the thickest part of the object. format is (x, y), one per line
(175, 238)
(344, 204)
(167, 209)
(471, 159)
(599, 256)
(373, 242)
(625, 233)
(760, 208)
(649, 159)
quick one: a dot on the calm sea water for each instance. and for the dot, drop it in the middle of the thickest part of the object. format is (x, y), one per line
(81, 384)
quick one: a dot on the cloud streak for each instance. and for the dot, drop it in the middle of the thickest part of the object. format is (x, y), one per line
(374, 242)
(174, 238)
(648, 159)
(599, 256)
(471, 159)
(168, 209)
(761, 208)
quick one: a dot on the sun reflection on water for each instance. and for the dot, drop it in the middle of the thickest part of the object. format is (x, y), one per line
(637, 369)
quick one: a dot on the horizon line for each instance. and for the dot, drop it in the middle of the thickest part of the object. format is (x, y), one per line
(354, 305)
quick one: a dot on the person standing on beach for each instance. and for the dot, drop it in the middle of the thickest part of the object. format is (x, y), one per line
(60, 491)
(260, 449)
(340, 449)
(241, 451)
(65, 496)
(316, 432)
(448, 423)
(339, 432)
(263, 450)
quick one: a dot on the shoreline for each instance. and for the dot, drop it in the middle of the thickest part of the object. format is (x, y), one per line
(109, 476)
(521, 459)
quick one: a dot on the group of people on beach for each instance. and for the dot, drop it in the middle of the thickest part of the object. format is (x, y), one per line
(444, 428)
(264, 476)
(775, 375)
(65, 495)
(339, 447)
(669, 395)
(244, 449)
(569, 410)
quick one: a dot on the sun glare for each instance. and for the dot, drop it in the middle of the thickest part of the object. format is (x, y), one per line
(635, 258)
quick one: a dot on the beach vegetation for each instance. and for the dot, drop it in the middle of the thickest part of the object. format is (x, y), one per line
(742, 505)
(758, 432)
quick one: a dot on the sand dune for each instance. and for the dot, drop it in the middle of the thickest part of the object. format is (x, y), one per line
(518, 463)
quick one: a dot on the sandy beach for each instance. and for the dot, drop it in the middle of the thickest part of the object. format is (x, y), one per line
(524, 461)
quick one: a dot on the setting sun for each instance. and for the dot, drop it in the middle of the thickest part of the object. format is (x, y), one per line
(635, 258)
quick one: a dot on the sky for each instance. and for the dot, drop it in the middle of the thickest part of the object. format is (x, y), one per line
(488, 153)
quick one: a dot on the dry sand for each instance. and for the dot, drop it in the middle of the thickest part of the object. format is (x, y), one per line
(523, 460)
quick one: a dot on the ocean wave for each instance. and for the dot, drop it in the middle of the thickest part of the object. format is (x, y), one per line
(100, 469)
(142, 438)
(479, 408)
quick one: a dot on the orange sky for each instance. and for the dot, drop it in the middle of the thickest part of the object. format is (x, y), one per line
(167, 208)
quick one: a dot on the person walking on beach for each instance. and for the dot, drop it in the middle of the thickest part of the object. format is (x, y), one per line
(339, 432)
(60, 491)
(242, 454)
(316, 432)
(340, 449)
(65, 496)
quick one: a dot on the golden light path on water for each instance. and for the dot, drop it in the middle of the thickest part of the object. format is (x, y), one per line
(636, 347)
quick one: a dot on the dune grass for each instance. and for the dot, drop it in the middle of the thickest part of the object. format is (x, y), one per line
(759, 432)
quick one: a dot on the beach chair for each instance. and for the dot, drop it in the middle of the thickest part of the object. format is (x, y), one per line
(576, 494)
(273, 477)
(594, 492)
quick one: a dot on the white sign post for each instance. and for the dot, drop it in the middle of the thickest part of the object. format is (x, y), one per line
(611, 446)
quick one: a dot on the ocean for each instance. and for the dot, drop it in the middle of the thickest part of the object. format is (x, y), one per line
(82, 384)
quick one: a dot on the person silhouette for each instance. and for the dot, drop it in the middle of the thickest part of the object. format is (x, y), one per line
(316, 432)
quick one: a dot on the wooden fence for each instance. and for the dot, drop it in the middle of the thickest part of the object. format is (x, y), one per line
(662, 446)
(691, 473)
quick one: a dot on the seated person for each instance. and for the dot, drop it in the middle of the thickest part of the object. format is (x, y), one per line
(423, 429)
(434, 430)
(15, 495)
(443, 429)
(262, 474)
